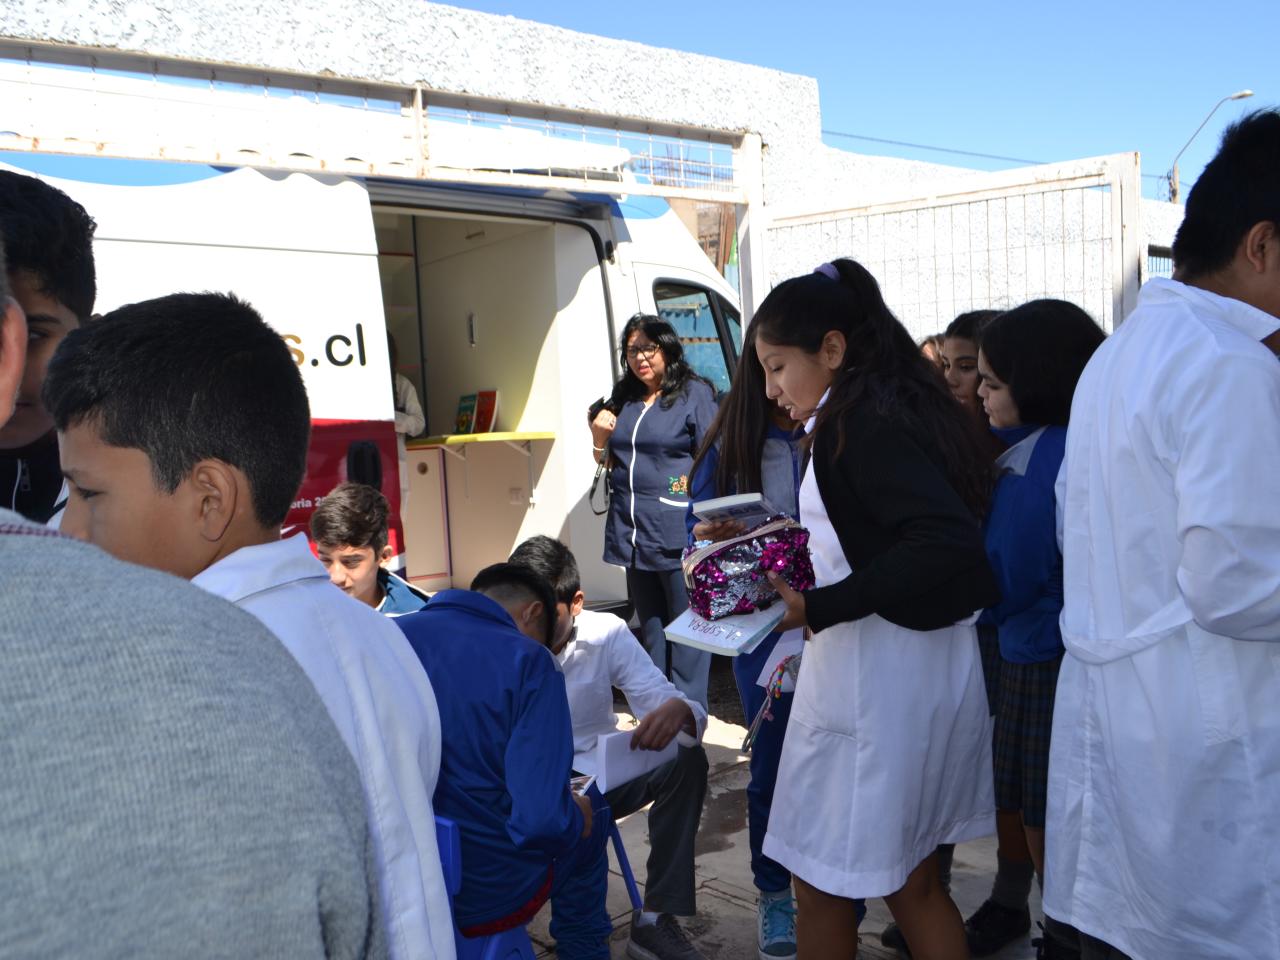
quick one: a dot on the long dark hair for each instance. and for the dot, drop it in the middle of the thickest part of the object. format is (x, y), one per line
(968, 326)
(883, 367)
(1039, 350)
(676, 377)
(740, 426)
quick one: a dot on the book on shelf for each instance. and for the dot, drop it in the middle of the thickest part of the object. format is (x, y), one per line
(750, 509)
(465, 421)
(486, 412)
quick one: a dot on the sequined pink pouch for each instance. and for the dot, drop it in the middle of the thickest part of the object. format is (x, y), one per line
(728, 577)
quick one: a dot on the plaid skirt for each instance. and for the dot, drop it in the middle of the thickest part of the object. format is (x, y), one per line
(1024, 719)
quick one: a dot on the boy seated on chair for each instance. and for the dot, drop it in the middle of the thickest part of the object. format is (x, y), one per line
(350, 531)
(597, 652)
(506, 761)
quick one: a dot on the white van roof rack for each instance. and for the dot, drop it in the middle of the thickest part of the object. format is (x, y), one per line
(502, 202)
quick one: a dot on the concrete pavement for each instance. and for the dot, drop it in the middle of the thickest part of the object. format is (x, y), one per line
(725, 928)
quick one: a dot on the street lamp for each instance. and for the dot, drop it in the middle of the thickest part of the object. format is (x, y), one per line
(1173, 174)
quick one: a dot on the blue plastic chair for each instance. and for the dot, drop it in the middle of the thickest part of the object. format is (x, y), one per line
(510, 944)
(603, 814)
(624, 865)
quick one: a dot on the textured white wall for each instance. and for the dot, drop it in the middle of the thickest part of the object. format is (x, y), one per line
(464, 52)
(441, 47)
(1160, 221)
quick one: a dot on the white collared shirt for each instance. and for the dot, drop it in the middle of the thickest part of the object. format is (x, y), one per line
(604, 654)
(378, 695)
(1165, 755)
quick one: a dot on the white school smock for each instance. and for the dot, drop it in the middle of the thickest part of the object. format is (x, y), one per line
(1163, 830)
(410, 421)
(602, 654)
(378, 695)
(888, 749)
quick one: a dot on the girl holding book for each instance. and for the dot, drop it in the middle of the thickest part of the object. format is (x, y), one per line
(887, 751)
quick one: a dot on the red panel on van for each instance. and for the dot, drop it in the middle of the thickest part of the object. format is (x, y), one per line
(359, 450)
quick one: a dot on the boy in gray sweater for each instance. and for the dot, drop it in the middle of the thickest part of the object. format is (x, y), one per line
(170, 784)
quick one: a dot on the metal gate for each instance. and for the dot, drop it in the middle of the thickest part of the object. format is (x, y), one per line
(1069, 231)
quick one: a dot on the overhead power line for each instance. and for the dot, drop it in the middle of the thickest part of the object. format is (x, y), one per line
(951, 150)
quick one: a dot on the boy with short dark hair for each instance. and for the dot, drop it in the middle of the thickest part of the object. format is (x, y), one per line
(350, 529)
(48, 240)
(172, 782)
(598, 652)
(184, 424)
(505, 769)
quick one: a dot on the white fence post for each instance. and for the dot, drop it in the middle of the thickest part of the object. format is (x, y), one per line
(753, 226)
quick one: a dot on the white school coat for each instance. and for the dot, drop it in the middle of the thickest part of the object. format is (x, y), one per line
(1163, 831)
(410, 421)
(378, 695)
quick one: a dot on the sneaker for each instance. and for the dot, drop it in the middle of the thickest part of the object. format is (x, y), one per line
(664, 940)
(776, 927)
(892, 938)
(993, 926)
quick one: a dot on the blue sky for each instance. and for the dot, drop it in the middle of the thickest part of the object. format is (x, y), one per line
(1034, 80)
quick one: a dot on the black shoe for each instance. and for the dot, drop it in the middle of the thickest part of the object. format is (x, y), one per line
(892, 938)
(1050, 947)
(663, 940)
(993, 926)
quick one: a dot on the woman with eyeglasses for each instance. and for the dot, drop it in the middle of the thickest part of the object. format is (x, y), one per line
(663, 409)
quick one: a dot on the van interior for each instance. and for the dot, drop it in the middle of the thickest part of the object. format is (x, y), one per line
(490, 303)
(479, 303)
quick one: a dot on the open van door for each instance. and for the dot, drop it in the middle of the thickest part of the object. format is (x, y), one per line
(300, 248)
(699, 307)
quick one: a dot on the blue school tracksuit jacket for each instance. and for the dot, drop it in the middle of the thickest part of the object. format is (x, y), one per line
(506, 751)
(779, 475)
(398, 595)
(1022, 544)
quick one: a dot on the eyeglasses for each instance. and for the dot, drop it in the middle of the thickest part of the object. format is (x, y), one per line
(646, 351)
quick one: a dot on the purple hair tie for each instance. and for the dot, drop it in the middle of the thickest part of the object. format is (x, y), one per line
(829, 271)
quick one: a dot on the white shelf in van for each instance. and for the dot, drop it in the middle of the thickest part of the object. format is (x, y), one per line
(515, 439)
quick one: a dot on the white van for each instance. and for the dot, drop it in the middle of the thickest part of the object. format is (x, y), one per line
(518, 291)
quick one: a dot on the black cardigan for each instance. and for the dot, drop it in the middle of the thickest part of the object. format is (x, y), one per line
(916, 551)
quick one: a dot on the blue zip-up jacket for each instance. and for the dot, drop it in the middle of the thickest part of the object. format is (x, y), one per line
(779, 475)
(399, 596)
(1022, 545)
(653, 449)
(506, 754)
